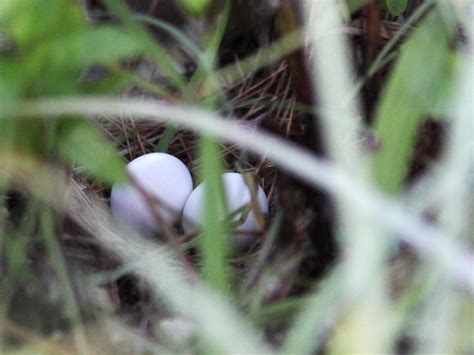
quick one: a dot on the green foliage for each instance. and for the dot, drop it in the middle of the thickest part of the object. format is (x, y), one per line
(52, 46)
(32, 22)
(68, 55)
(419, 82)
(81, 143)
(51, 50)
(396, 7)
(154, 49)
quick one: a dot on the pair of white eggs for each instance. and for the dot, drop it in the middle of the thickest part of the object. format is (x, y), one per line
(168, 181)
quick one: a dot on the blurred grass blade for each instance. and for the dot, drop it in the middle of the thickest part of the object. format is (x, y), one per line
(362, 246)
(280, 311)
(173, 31)
(423, 237)
(416, 85)
(442, 310)
(82, 144)
(214, 241)
(319, 313)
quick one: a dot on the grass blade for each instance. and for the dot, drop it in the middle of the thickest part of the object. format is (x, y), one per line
(408, 100)
(214, 241)
(423, 237)
(362, 247)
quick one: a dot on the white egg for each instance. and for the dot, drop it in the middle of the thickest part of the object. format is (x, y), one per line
(237, 195)
(165, 178)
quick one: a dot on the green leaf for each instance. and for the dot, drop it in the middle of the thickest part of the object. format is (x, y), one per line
(397, 7)
(51, 63)
(82, 144)
(61, 59)
(30, 21)
(100, 45)
(417, 85)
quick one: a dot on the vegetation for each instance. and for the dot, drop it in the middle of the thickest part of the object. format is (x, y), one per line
(356, 118)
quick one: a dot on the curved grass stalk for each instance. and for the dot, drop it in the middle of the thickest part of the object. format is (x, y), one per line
(363, 246)
(427, 239)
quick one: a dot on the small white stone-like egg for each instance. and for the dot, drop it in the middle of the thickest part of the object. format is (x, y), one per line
(237, 195)
(165, 178)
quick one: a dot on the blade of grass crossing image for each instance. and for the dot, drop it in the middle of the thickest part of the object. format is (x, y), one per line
(415, 85)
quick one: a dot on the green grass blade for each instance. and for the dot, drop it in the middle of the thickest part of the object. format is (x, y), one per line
(166, 139)
(192, 48)
(442, 309)
(361, 246)
(205, 74)
(214, 243)
(310, 326)
(408, 100)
